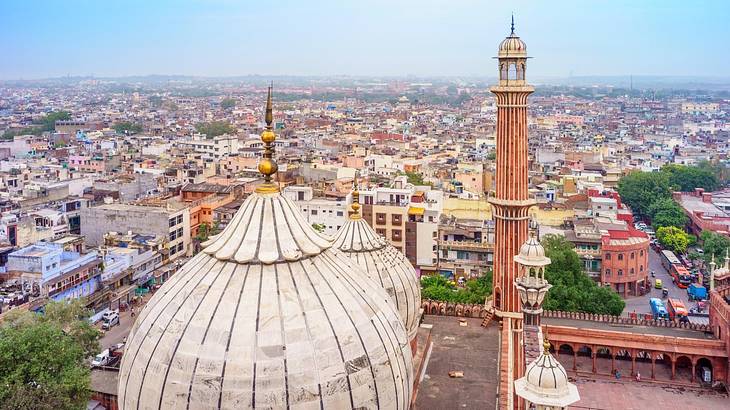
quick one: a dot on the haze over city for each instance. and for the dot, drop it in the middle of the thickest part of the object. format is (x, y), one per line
(396, 205)
(41, 39)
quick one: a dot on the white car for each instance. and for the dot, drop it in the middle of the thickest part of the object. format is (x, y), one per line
(102, 359)
(110, 319)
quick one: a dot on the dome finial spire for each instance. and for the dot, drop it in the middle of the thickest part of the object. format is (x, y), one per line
(513, 24)
(267, 166)
(355, 212)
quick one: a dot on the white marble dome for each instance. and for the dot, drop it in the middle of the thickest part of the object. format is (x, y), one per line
(532, 253)
(546, 383)
(269, 315)
(383, 263)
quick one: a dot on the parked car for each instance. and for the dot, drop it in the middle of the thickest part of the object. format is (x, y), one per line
(102, 359)
(110, 319)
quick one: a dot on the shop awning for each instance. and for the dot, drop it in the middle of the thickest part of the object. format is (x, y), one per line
(416, 211)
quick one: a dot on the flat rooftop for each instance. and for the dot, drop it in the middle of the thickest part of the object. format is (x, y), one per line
(473, 350)
(609, 395)
(618, 327)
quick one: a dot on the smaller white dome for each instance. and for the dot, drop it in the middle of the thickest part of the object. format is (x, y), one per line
(546, 383)
(532, 253)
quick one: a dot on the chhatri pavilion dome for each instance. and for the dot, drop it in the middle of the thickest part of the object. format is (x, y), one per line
(268, 315)
(383, 263)
(512, 46)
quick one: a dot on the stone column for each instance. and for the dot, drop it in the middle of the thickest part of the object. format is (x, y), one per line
(653, 362)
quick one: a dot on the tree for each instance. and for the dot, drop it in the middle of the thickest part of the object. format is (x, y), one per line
(641, 189)
(714, 244)
(228, 103)
(41, 125)
(43, 358)
(414, 178)
(318, 227)
(436, 287)
(127, 128)
(205, 231)
(573, 290)
(666, 212)
(214, 128)
(719, 169)
(686, 178)
(673, 238)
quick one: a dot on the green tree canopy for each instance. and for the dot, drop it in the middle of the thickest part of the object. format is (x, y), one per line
(127, 128)
(436, 287)
(666, 212)
(414, 178)
(215, 128)
(686, 178)
(673, 238)
(228, 103)
(714, 244)
(640, 190)
(573, 290)
(43, 358)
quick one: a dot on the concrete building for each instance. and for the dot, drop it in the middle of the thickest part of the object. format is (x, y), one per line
(61, 274)
(167, 221)
(328, 213)
(212, 148)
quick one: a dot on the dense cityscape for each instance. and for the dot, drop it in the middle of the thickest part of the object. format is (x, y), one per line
(175, 241)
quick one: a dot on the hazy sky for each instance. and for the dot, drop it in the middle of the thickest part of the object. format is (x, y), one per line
(359, 37)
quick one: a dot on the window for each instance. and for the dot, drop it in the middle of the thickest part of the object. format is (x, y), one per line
(620, 256)
(380, 218)
(300, 196)
(608, 272)
(631, 271)
(397, 220)
(641, 268)
(380, 232)
(339, 213)
(641, 252)
(633, 255)
(397, 235)
(620, 272)
(173, 222)
(314, 212)
(608, 257)
(179, 219)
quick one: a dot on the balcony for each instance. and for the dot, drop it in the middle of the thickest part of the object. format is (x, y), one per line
(466, 245)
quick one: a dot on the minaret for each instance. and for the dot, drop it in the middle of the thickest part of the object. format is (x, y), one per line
(511, 202)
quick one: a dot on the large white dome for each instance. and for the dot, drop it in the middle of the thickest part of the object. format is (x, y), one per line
(270, 316)
(383, 263)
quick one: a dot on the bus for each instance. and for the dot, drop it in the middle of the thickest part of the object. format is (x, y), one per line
(669, 259)
(681, 276)
(676, 310)
(658, 309)
(675, 267)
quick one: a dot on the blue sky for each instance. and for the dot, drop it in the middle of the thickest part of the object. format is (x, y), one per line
(48, 38)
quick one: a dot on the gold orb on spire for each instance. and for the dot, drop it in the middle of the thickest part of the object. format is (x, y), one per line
(355, 207)
(267, 165)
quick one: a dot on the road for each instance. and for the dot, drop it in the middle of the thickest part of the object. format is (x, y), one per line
(640, 304)
(118, 333)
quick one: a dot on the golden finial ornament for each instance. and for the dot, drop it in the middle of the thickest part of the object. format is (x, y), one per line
(355, 207)
(267, 166)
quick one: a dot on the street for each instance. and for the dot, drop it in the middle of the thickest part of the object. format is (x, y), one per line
(118, 333)
(640, 304)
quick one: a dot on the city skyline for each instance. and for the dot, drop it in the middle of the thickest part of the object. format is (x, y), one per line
(223, 38)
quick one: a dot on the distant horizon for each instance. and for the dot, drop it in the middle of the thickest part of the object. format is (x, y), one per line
(378, 38)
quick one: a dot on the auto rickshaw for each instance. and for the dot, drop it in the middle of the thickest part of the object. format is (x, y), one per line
(658, 284)
(665, 292)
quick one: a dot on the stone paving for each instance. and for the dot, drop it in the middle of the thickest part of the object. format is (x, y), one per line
(471, 349)
(630, 395)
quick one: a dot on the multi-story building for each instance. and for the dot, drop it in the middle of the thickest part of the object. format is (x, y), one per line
(165, 220)
(408, 218)
(212, 148)
(330, 214)
(61, 274)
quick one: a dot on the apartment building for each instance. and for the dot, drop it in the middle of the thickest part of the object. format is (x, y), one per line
(330, 214)
(166, 219)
